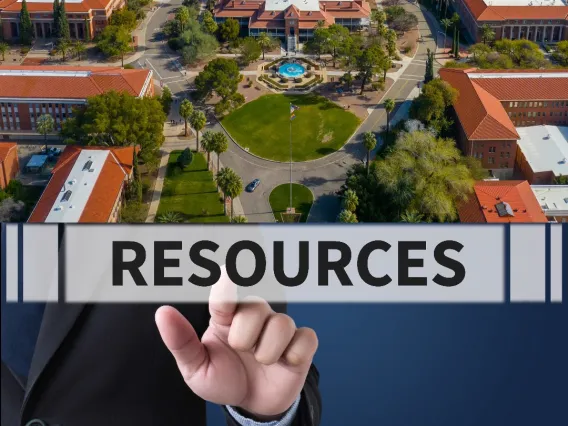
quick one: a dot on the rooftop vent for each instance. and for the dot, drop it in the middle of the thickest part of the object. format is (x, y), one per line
(563, 161)
(504, 209)
(72, 182)
(87, 165)
(566, 200)
(58, 208)
(497, 197)
(66, 196)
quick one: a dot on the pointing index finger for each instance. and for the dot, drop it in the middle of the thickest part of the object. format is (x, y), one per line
(223, 300)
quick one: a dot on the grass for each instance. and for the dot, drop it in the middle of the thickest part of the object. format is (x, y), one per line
(192, 192)
(263, 126)
(302, 199)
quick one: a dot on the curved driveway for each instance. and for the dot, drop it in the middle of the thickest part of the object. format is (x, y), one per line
(323, 176)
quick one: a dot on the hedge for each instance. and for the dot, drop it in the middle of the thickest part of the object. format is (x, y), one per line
(316, 80)
(272, 83)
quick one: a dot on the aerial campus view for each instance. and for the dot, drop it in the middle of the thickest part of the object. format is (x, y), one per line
(284, 111)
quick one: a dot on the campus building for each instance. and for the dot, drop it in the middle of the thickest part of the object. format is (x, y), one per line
(511, 201)
(293, 21)
(87, 185)
(87, 18)
(494, 105)
(553, 200)
(541, 21)
(27, 92)
(9, 163)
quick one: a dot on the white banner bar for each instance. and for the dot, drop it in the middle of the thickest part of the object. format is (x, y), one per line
(40, 263)
(556, 268)
(11, 262)
(528, 263)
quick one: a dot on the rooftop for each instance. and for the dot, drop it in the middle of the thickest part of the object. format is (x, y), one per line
(509, 201)
(55, 82)
(47, 5)
(526, 2)
(545, 148)
(552, 198)
(5, 148)
(302, 5)
(84, 185)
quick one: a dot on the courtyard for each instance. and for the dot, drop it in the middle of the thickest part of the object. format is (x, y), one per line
(262, 127)
(302, 200)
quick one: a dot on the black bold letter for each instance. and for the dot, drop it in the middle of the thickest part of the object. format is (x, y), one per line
(363, 263)
(405, 263)
(259, 268)
(119, 265)
(212, 267)
(161, 263)
(337, 266)
(303, 267)
(454, 265)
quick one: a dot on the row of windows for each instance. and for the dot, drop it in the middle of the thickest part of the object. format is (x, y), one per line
(537, 114)
(534, 123)
(559, 104)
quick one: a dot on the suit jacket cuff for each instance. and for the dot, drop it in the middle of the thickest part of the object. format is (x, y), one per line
(286, 420)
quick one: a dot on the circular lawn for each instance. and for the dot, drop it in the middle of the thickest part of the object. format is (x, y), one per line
(302, 199)
(320, 127)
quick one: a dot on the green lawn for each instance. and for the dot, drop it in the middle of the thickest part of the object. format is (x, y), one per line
(302, 200)
(191, 192)
(263, 126)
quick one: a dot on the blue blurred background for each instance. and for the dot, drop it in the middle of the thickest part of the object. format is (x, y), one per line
(439, 365)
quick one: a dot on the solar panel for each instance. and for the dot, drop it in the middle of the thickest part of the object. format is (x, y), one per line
(504, 209)
(66, 196)
(87, 165)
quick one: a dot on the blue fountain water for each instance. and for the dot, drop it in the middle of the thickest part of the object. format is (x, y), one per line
(291, 70)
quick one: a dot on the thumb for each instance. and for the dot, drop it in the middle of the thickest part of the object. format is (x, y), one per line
(182, 341)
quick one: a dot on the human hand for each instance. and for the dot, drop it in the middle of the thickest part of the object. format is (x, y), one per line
(249, 357)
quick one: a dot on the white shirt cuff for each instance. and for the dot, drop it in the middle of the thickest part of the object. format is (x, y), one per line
(284, 421)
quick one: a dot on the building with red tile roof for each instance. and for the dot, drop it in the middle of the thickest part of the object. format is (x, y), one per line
(26, 92)
(536, 20)
(292, 20)
(87, 185)
(510, 201)
(9, 164)
(493, 104)
(87, 18)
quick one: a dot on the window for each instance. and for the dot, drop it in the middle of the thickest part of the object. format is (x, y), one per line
(540, 104)
(492, 149)
(516, 103)
(530, 104)
(507, 155)
(510, 104)
(491, 160)
(545, 104)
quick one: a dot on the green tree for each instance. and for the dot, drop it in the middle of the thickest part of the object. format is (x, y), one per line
(169, 217)
(487, 34)
(220, 76)
(368, 64)
(250, 50)
(63, 47)
(3, 49)
(135, 184)
(182, 16)
(79, 49)
(456, 23)
(185, 111)
(561, 180)
(389, 107)
(45, 125)
(26, 26)
(338, 34)
(115, 41)
(561, 53)
(446, 23)
(346, 216)
(369, 142)
(197, 44)
(230, 184)
(220, 145)
(431, 106)
(347, 79)
(320, 41)
(62, 24)
(239, 219)
(124, 18)
(197, 121)
(433, 168)
(379, 17)
(56, 12)
(166, 99)
(429, 73)
(208, 144)
(411, 216)
(208, 22)
(350, 201)
(185, 158)
(211, 5)
(391, 43)
(350, 50)
(119, 119)
(229, 30)
(266, 43)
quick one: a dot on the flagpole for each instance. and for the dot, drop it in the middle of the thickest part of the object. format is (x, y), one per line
(290, 157)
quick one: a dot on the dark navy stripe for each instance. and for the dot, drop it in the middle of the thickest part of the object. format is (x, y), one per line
(60, 263)
(507, 263)
(20, 262)
(547, 260)
(564, 260)
(3, 254)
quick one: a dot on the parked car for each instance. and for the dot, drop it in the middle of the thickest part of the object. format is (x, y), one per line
(253, 185)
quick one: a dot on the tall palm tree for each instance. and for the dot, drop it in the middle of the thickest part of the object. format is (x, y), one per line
(446, 23)
(220, 145)
(369, 142)
(45, 126)
(197, 120)
(185, 111)
(389, 107)
(79, 48)
(487, 33)
(207, 144)
(265, 42)
(231, 184)
(411, 216)
(350, 200)
(63, 47)
(222, 178)
(345, 216)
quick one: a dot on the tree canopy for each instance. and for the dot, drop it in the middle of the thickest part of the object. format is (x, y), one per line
(221, 76)
(26, 26)
(506, 54)
(229, 30)
(250, 50)
(115, 41)
(124, 18)
(431, 106)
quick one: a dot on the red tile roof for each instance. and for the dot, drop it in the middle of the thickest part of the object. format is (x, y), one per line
(99, 80)
(482, 12)
(84, 6)
(520, 89)
(480, 207)
(105, 192)
(5, 148)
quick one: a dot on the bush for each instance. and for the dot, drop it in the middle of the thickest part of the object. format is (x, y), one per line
(283, 80)
(309, 75)
(129, 67)
(309, 67)
(274, 75)
(24, 50)
(378, 86)
(175, 43)
(298, 80)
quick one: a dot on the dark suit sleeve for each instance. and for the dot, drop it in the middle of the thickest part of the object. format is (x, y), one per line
(310, 408)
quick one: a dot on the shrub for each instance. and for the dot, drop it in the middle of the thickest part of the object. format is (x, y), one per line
(128, 67)
(274, 75)
(309, 68)
(25, 50)
(298, 80)
(309, 75)
(175, 43)
(283, 80)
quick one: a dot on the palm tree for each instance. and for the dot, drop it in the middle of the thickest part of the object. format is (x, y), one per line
(207, 144)
(44, 126)
(63, 47)
(389, 107)
(265, 42)
(240, 219)
(487, 33)
(170, 217)
(347, 217)
(369, 142)
(411, 216)
(350, 200)
(3, 49)
(231, 184)
(79, 48)
(185, 111)
(197, 121)
(446, 23)
(220, 145)
(222, 178)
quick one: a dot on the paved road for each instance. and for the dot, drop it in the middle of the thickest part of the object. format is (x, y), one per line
(324, 176)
